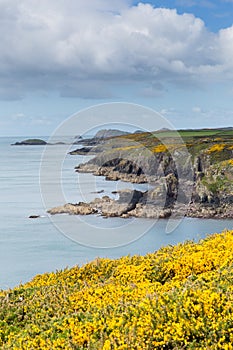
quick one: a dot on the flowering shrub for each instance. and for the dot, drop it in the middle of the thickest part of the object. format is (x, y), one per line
(159, 149)
(217, 139)
(227, 162)
(180, 297)
(217, 148)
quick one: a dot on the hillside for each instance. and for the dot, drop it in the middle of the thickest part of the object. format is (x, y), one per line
(180, 297)
(106, 133)
(190, 173)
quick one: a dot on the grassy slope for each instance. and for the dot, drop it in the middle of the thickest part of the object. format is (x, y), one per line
(177, 298)
(202, 136)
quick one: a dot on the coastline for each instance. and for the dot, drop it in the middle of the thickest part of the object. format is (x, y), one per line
(107, 208)
(183, 182)
(40, 243)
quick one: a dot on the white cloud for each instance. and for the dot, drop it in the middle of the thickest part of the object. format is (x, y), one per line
(19, 117)
(71, 46)
(226, 49)
(197, 109)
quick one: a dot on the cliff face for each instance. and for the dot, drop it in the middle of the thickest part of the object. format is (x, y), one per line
(138, 167)
(199, 180)
(213, 175)
(192, 178)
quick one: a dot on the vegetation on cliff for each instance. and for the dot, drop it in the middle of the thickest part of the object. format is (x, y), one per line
(180, 297)
(199, 162)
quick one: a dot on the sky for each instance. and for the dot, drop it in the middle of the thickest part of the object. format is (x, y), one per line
(59, 57)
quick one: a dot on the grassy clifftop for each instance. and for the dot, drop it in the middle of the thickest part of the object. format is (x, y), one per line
(180, 297)
(190, 170)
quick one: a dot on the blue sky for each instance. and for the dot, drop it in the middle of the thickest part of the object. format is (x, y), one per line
(58, 57)
(217, 14)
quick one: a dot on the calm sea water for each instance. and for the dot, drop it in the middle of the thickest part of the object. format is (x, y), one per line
(32, 246)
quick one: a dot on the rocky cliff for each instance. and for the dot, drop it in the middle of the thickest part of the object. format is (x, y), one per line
(193, 178)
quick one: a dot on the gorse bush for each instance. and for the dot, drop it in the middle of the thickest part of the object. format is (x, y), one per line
(217, 147)
(180, 297)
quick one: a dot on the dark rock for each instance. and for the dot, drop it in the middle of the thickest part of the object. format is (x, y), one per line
(78, 137)
(129, 197)
(82, 150)
(87, 142)
(101, 191)
(30, 142)
(138, 131)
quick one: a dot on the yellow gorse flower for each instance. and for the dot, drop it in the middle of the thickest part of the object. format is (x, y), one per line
(159, 149)
(180, 297)
(216, 148)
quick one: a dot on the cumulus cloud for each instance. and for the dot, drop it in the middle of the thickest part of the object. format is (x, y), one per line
(80, 48)
(225, 53)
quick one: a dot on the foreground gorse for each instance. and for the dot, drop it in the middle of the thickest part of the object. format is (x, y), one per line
(179, 297)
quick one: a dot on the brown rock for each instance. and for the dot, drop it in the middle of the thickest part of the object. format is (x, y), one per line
(73, 209)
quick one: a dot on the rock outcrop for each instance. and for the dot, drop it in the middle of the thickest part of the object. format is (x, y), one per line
(100, 137)
(86, 151)
(30, 142)
(149, 204)
(107, 133)
(80, 208)
(37, 142)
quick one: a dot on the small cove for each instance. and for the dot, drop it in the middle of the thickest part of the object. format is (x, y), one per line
(29, 247)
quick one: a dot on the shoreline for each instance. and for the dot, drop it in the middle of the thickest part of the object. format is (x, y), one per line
(193, 181)
(134, 203)
(107, 208)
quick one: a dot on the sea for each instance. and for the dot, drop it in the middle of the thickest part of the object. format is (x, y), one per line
(35, 178)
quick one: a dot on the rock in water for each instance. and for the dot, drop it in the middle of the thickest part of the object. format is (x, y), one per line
(80, 208)
(30, 142)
